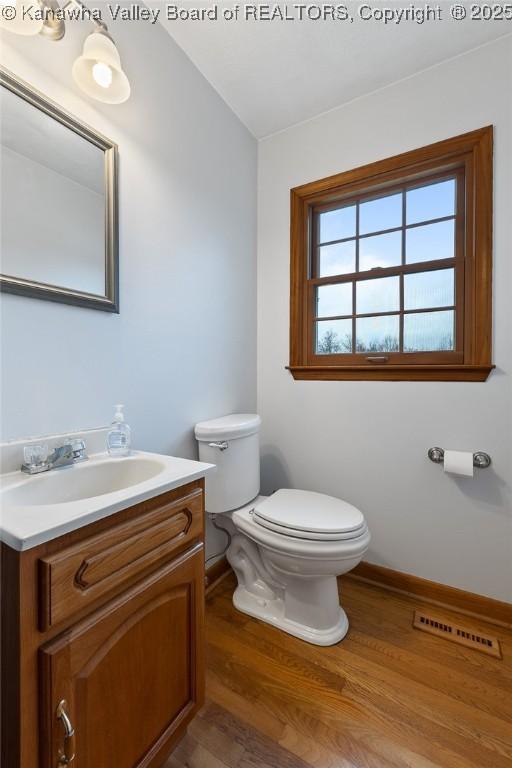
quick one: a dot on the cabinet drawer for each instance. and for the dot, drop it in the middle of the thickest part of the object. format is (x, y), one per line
(98, 566)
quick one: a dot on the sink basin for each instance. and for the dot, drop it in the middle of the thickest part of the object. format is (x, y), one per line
(82, 481)
(39, 508)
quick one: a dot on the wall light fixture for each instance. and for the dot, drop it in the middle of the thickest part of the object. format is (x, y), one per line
(98, 71)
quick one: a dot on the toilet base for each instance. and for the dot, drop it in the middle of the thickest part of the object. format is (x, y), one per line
(272, 612)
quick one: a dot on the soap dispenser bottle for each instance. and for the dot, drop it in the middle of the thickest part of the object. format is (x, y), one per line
(119, 436)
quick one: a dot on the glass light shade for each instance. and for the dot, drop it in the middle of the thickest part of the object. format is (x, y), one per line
(102, 74)
(98, 70)
(23, 21)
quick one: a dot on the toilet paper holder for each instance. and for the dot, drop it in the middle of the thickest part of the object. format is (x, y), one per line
(480, 459)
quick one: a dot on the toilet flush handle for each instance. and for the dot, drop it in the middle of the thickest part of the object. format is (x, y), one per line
(222, 445)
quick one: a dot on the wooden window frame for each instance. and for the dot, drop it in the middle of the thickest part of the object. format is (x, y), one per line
(470, 158)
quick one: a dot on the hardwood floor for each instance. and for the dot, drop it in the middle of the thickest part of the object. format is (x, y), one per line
(386, 696)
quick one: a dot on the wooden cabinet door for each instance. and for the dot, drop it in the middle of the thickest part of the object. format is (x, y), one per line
(131, 674)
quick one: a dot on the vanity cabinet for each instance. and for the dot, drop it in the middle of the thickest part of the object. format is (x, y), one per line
(127, 673)
(103, 639)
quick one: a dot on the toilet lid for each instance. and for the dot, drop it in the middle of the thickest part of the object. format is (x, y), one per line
(309, 515)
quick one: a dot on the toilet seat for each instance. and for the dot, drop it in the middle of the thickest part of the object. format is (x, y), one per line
(310, 516)
(297, 547)
(310, 535)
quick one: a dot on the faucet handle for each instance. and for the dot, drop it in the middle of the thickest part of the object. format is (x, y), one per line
(78, 447)
(35, 455)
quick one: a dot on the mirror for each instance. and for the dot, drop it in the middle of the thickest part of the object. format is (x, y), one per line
(58, 203)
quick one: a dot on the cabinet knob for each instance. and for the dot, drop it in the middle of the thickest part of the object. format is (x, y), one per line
(67, 753)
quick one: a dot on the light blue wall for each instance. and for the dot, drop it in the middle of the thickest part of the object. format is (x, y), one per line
(183, 347)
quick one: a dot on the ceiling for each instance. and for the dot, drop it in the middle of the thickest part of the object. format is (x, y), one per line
(274, 74)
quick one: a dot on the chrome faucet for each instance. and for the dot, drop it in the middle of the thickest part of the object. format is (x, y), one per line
(37, 459)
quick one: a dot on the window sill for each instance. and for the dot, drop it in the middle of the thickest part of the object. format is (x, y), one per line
(390, 372)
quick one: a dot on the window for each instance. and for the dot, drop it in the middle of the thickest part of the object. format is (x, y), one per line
(391, 267)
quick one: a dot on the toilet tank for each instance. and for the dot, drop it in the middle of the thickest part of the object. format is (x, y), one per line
(232, 444)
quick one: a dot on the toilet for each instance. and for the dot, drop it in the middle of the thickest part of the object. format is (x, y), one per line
(286, 549)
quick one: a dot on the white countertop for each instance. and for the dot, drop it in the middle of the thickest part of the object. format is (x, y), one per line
(23, 527)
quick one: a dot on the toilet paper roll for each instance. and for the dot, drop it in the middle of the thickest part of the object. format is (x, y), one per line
(459, 463)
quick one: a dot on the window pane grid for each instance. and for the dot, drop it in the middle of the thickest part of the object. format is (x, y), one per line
(390, 343)
(394, 332)
(421, 267)
(402, 301)
(385, 314)
(424, 223)
(354, 284)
